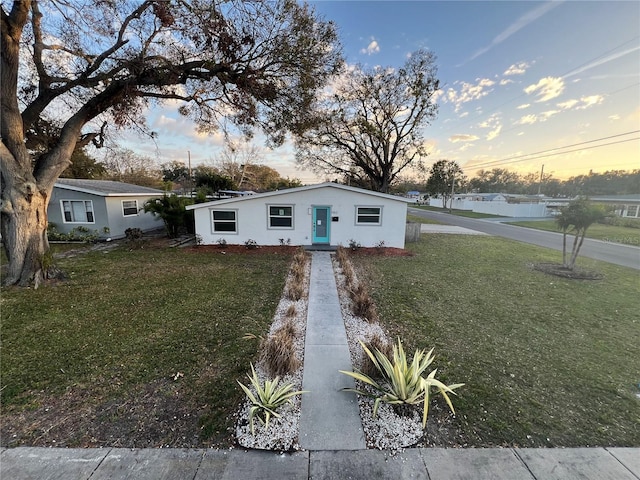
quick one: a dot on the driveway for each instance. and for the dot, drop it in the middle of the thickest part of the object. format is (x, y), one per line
(625, 255)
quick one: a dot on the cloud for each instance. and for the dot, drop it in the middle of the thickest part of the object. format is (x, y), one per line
(462, 138)
(523, 106)
(542, 117)
(517, 69)
(523, 21)
(506, 81)
(469, 92)
(546, 89)
(568, 104)
(494, 133)
(590, 101)
(527, 120)
(583, 103)
(372, 48)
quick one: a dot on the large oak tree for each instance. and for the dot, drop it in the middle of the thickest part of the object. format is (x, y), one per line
(87, 66)
(370, 128)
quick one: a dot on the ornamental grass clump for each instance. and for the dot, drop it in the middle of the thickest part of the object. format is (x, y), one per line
(401, 382)
(278, 353)
(362, 304)
(268, 397)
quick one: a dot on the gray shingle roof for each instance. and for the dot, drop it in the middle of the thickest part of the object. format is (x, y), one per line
(105, 187)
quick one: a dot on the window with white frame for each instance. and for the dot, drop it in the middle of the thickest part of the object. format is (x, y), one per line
(129, 208)
(224, 221)
(368, 215)
(631, 211)
(280, 216)
(77, 211)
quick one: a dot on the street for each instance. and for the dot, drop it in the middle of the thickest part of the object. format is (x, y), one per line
(619, 254)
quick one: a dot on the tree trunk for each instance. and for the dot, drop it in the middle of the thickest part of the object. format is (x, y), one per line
(576, 249)
(24, 232)
(564, 248)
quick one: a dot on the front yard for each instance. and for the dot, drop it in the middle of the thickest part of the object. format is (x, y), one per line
(546, 361)
(140, 348)
(143, 348)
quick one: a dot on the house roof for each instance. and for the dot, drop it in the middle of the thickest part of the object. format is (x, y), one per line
(299, 189)
(629, 197)
(105, 188)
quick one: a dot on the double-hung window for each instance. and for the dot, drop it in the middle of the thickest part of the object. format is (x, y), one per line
(129, 208)
(224, 221)
(77, 211)
(368, 215)
(280, 216)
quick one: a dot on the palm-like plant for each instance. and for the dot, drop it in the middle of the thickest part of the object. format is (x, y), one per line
(267, 397)
(403, 382)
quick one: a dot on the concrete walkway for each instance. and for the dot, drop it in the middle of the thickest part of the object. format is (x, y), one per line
(330, 433)
(329, 418)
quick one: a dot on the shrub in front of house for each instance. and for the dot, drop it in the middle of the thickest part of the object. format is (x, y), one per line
(400, 381)
(266, 398)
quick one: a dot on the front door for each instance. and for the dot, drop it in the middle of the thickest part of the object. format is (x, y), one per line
(321, 224)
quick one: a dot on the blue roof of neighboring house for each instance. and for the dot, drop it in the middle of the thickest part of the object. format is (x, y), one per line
(105, 188)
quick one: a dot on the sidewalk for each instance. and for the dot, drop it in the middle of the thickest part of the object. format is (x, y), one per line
(330, 432)
(419, 463)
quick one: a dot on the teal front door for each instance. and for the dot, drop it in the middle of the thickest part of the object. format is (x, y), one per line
(321, 224)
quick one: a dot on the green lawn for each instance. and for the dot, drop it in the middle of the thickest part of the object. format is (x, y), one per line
(607, 233)
(546, 361)
(162, 326)
(417, 219)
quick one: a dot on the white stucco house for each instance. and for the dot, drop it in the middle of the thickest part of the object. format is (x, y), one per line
(103, 206)
(323, 214)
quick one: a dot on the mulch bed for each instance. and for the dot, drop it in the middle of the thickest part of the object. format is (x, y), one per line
(290, 249)
(560, 270)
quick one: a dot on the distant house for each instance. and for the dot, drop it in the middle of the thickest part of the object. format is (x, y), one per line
(323, 214)
(103, 206)
(627, 206)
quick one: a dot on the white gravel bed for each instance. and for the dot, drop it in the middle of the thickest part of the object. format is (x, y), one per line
(388, 430)
(282, 432)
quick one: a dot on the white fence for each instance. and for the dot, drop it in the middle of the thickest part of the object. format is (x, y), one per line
(497, 208)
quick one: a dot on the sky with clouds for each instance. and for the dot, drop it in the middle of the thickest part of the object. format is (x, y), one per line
(523, 84)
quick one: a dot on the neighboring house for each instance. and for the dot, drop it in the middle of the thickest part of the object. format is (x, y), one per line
(627, 206)
(103, 206)
(323, 214)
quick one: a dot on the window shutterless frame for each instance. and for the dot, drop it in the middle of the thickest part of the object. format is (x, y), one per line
(129, 208)
(77, 211)
(368, 215)
(224, 221)
(280, 216)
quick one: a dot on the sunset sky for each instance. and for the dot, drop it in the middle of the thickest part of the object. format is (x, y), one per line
(522, 83)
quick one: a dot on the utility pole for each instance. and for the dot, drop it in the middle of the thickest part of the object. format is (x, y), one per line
(541, 177)
(190, 177)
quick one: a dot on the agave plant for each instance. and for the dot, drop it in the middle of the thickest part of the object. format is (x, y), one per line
(402, 383)
(267, 397)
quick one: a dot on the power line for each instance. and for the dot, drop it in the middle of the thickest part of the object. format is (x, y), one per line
(531, 156)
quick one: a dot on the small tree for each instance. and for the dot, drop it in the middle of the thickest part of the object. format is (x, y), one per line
(443, 175)
(171, 209)
(576, 218)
